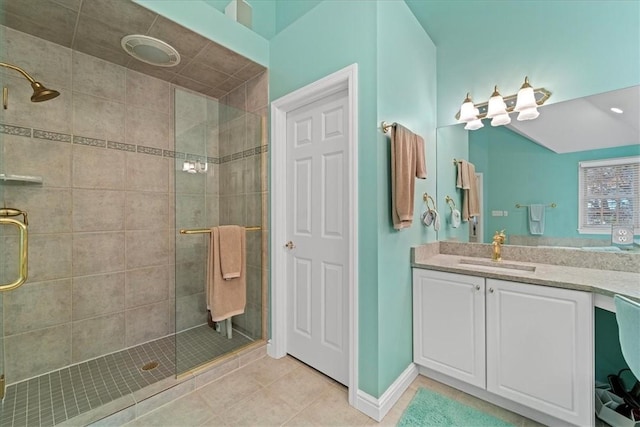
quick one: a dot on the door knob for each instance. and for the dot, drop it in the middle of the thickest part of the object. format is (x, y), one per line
(289, 245)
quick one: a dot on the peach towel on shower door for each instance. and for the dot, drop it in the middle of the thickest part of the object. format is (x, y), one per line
(231, 254)
(225, 298)
(407, 163)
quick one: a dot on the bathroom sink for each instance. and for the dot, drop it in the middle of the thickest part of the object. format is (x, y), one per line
(498, 265)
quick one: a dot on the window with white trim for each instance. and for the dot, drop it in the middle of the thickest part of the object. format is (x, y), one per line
(609, 194)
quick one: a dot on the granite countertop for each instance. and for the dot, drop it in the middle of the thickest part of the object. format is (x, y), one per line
(605, 282)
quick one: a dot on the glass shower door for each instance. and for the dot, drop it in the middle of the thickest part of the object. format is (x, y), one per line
(218, 181)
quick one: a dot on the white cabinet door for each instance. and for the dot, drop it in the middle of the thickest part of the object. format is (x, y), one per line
(448, 326)
(540, 348)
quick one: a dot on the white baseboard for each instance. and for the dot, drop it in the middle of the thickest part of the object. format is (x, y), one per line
(377, 408)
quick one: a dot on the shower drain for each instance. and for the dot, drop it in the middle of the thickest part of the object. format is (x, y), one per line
(149, 366)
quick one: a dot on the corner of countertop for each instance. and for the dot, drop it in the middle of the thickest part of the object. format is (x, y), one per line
(419, 253)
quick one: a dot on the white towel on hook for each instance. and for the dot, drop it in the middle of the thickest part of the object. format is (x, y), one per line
(455, 218)
(427, 217)
(436, 220)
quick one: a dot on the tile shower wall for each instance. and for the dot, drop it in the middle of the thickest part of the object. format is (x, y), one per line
(243, 187)
(102, 223)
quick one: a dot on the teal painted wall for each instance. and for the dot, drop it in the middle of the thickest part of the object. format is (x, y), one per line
(573, 48)
(304, 52)
(271, 16)
(288, 11)
(397, 87)
(263, 14)
(453, 143)
(516, 170)
(211, 23)
(406, 93)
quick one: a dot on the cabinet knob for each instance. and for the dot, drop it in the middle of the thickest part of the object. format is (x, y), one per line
(477, 287)
(491, 290)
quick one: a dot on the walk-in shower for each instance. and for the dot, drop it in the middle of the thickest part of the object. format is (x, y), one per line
(114, 299)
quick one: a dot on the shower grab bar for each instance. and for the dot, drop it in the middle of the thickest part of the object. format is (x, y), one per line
(23, 247)
(208, 230)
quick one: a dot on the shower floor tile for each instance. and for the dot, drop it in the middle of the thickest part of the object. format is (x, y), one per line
(55, 397)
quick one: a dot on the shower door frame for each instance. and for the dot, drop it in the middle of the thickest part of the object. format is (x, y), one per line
(346, 78)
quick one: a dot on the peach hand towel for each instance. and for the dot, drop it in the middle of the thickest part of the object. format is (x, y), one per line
(407, 163)
(230, 251)
(225, 298)
(468, 182)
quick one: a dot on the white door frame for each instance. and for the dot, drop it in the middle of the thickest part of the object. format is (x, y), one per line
(347, 78)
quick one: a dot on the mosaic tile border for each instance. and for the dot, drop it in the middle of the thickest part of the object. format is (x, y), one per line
(52, 136)
(132, 148)
(15, 130)
(92, 142)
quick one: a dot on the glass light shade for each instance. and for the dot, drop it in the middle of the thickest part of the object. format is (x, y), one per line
(497, 107)
(474, 125)
(468, 112)
(500, 120)
(528, 114)
(526, 99)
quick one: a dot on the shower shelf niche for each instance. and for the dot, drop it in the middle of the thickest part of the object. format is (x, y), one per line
(25, 179)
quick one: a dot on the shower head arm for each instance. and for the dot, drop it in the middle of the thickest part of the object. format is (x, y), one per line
(18, 69)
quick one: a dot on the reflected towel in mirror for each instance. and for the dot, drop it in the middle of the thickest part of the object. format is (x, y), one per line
(536, 219)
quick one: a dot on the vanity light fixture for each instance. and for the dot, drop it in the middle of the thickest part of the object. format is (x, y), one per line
(525, 102)
(474, 125)
(497, 109)
(469, 115)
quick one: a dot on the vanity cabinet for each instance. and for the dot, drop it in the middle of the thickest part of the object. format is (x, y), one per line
(528, 344)
(448, 324)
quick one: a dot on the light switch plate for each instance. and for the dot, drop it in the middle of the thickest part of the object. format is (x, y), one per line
(621, 235)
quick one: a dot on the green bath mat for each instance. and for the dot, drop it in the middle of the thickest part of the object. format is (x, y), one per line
(430, 409)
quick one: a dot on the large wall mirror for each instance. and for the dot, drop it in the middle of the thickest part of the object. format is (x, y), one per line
(537, 162)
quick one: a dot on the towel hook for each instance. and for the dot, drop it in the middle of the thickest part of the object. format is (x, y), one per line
(426, 199)
(450, 202)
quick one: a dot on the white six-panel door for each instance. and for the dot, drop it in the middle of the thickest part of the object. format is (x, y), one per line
(317, 227)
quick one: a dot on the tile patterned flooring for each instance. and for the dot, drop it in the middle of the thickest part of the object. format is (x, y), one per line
(58, 396)
(286, 392)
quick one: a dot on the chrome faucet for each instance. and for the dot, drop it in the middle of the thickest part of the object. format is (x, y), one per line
(498, 241)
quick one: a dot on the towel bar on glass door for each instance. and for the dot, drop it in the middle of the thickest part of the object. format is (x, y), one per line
(22, 248)
(208, 230)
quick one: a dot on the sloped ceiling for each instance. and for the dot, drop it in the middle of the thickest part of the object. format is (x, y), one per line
(586, 123)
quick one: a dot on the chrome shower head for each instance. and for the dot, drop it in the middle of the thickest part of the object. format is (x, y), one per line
(40, 93)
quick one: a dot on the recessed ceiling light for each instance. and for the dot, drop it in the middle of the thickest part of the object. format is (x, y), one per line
(616, 110)
(150, 50)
